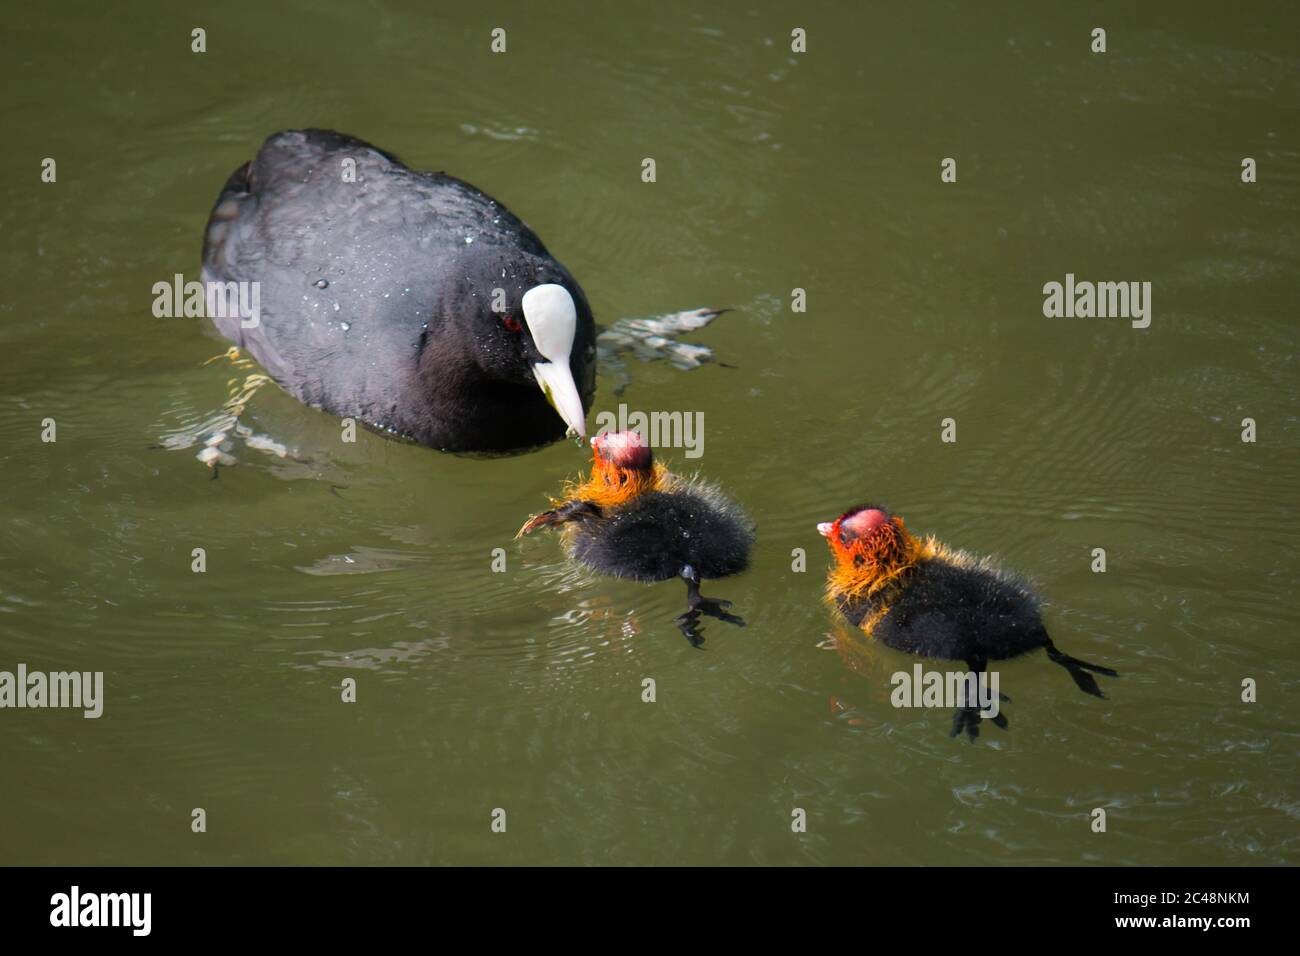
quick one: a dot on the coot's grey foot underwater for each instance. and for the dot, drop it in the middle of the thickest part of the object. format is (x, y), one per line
(653, 339)
(410, 301)
(927, 599)
(219, 432)
(633, 519)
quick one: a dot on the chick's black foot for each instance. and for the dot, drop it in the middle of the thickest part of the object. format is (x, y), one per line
(698, 604)
(1079, 670)
(717, 608)
(686, 623)
(968, 719)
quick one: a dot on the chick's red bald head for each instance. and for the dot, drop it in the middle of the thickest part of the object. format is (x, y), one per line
(622, 450)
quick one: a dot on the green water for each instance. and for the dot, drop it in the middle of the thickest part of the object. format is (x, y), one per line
(522, 690)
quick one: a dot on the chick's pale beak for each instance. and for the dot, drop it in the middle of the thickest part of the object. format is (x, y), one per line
(556, 382)
(824, 528)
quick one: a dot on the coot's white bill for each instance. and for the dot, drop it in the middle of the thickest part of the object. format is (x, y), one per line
(552, 320)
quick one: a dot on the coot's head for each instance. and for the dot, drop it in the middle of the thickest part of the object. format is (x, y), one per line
(622, 467)
(860, 524)
(545, 340)
(870, 546)
(627, 450)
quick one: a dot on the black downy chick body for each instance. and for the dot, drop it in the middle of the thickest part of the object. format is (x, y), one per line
(633, 519)
(924, 598)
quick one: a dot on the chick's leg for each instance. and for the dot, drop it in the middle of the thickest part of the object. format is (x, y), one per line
(1079, 669)
(697, 604)
(968, 715)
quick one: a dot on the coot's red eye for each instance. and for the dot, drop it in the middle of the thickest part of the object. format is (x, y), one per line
(511, 323)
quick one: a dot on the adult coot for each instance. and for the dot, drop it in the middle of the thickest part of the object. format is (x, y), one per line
(925, 598)
(408, 300)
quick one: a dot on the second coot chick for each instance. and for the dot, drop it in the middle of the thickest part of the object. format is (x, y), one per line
(633, 519)
(919, 596)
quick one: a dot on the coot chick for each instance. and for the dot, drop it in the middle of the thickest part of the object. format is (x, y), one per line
(633, 519)
(410, 301)
(922, 597)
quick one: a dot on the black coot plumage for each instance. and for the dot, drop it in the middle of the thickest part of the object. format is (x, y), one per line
(410, 301)
(919, 596)
(633, 519)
